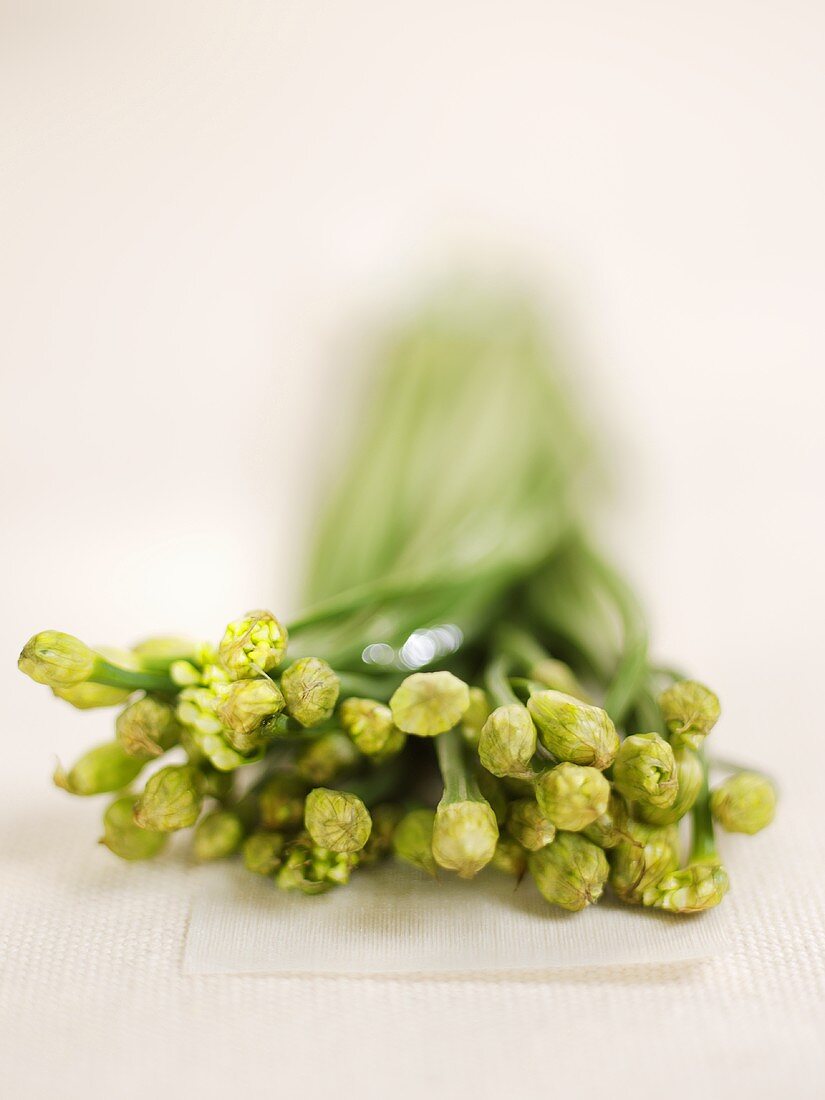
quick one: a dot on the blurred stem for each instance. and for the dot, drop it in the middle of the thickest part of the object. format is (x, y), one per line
(703, 845)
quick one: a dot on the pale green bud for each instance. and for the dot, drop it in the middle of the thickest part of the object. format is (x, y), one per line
(197, 710)
(371, 728)
(611, 827)
(217, 836)
(638, 863)
(147, 727)
(184, 674)
(412, 840)
(337, 820)
(161, 652)
(558, 676)
(56, 660)
(90, 696)
(570, 872)
(261, 853)
(311, 689)
(690, 711)
(688, 784)
(744, 803)
(507, 742)
(509, 857)
(328, 757)
(528, 825)
(244, 705)
(645, 770)
(572, 730)
(692, 889)
(171, 799)
(99, 771)
(314, 870)
(572, 796)
(254, 644)
(429, 703)
(464, 836)
(475, 715)
(281, 801)
(126, 839)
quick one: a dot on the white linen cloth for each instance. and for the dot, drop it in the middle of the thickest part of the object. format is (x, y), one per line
(94, 1001)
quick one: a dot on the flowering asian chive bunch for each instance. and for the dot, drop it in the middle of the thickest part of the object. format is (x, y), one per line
(470, 688)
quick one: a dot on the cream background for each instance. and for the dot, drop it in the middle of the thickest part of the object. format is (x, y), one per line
(203, 205)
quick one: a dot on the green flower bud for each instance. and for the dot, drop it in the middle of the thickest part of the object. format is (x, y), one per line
(126, 839)
(90, 696)
(700, 886)
(102, 769)
(261, 853)
(253, 645)
(412, 840)
(509, 857)
(570, 872)
(464, 836)
(611, 827)
(281, 801)
(147, 728)
(528, 825)
(197, 710)
(56, 660)
(385, 817)
(162, 652)
(218, 836)
(328, 757)
(744, 803)
(572, 796)
(690, 711)
(572, 730)
(475, 715)
(508, 741)
(171, 799)
(314, 870)
(184, 674)
(311, 689)
(371, 728)
(558, 676)
(637, 864)
(337, 820)
(688, 785)
(428, 703)
(645, 770)
(244, 705)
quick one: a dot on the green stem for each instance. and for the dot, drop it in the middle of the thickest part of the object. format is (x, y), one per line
(459, 783)
(497, 682)
(632, 669)
(110, 675)
(703, 845)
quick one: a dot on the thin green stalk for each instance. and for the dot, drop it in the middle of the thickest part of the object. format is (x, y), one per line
(110, 675)
(497, 682)
(703, 842)
(459, 783)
